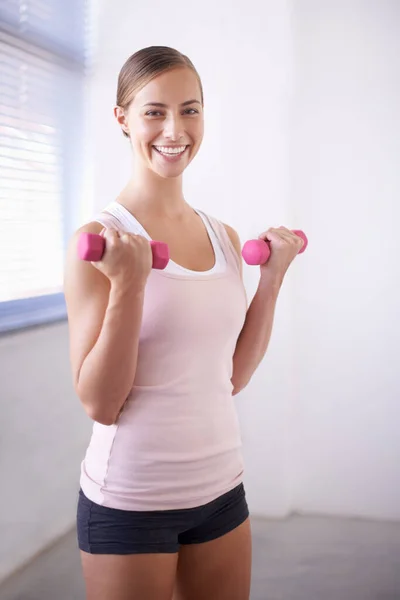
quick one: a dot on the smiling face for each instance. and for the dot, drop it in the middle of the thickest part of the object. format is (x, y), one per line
(165, 122)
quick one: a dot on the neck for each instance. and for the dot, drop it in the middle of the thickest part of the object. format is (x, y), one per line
(147, 192)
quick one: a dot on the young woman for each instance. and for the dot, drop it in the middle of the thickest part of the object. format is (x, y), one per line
(157, 356)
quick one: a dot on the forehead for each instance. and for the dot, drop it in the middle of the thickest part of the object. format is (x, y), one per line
(171, 87)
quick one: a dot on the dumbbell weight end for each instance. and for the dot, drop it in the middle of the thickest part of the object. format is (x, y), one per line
(91, 248)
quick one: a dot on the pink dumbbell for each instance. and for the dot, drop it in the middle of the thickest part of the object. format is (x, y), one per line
(257, 252)
(91, 247)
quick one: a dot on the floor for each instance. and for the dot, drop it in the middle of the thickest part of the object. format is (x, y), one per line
(302, 558)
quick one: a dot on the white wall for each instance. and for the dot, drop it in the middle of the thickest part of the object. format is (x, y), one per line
(44, 432)
(345, 179)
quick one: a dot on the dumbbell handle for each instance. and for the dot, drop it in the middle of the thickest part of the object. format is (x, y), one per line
(91, 247)
(257, 252)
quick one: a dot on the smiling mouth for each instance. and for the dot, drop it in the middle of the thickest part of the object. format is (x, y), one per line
(171, 152)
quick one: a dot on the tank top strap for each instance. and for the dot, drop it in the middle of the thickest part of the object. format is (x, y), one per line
(116, 216)
(225, 241)
(108, 220)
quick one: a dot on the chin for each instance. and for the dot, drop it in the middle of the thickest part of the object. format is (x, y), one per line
(169, 173)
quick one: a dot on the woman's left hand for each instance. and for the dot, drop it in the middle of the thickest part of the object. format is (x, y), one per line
(284, 246)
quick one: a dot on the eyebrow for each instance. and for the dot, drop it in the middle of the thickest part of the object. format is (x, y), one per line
(161, 105)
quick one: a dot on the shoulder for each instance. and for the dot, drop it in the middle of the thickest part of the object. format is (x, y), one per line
(80, 274)
(235, 239)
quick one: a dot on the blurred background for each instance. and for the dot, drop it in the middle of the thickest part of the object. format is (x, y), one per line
(302, 125)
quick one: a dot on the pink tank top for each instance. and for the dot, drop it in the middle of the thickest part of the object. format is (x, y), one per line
(177, 442)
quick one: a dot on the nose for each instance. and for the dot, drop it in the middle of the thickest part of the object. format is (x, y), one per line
(173, 129)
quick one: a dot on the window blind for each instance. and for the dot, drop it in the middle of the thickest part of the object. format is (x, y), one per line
(43, 55)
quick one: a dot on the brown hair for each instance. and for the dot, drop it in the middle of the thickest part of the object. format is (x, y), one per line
(143, 66)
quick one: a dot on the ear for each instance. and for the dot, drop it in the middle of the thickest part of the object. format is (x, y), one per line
(120, 115)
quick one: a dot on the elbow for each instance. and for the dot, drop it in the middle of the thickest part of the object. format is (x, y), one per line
(236, 390)
(102, 419)
(238, 386)
(100, 416)
(94, 409)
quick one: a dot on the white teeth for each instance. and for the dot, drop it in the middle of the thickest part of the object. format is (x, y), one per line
(169, 150)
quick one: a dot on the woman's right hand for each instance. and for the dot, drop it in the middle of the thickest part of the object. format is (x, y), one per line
(127, 260)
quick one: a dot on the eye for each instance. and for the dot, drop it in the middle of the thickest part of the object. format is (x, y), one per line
(153, 113)
(191, 111)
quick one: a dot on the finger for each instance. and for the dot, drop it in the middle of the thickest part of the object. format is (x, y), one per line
(112, 238)
(299, 240)
(270, 235)
(125, 237)
(111, 234)
(289, 232)
(281, 236)
(134, 238)
(292, 237)
(285, 232)
(131, 238)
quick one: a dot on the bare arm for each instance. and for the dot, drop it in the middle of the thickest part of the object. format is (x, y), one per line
(104, 324)
(256, 333)
(254, 338)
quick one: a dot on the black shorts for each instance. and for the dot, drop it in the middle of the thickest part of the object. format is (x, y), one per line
(103, 530)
